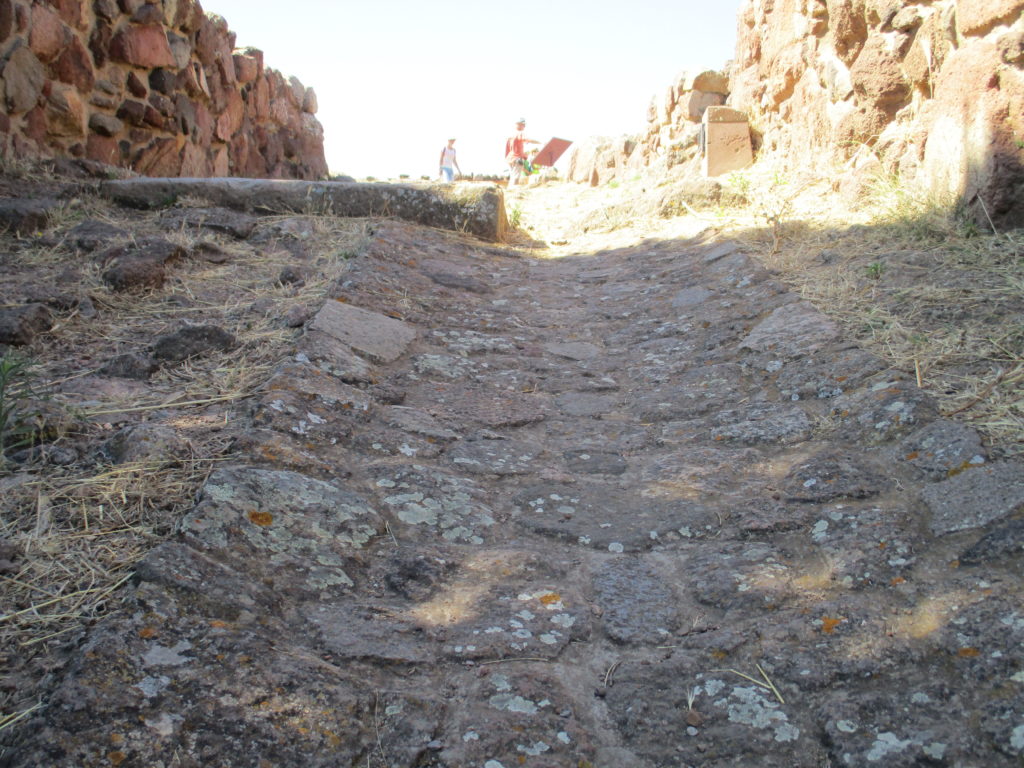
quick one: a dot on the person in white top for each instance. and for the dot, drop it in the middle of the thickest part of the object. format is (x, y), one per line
(449, 165)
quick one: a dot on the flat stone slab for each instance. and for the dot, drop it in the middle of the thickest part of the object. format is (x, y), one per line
(757, 424)
(638, 606)
(478, 209)
(834, 475)
(427, 501)
(302, 529)
(518, 715)
(691, 297)
(792, 330)
(574, 350)
(611, 520)
(381, 338)
(943, 448)
(975, 497)
(495, 457)
(586, 404)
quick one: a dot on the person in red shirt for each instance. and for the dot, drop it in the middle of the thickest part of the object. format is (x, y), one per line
(515, 152)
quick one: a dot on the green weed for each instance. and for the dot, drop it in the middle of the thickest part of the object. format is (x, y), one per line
(17, 391)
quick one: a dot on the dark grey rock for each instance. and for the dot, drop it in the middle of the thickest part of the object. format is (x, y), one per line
(821, 376)
(791, 331)
(359, 633)
(293, 275)
(442, 504)
(305, 530)
(131, 365)
(696, 392)
(298, 315)
(975, 497)
(233, 223)
(756, 424)
(1004, 541)
(26, 217)
(691, 297)
(586, 404)
(212, 253)
(192, 341)
(512, 715)
(595, 462)
(134, 273)
(574, 350)
(21, 325)
(378, 337)
(478, 209)
(105, 125)
(885, 412)
(639, 607)
(834, 475)
(492, 407)
(942, 448)
(456, 280)
(146, 444)
(494, 457)
(55, 455)
(609, 519)
(91, 235)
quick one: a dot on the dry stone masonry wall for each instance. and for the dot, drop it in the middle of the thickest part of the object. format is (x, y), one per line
(669, 141)
(156, 87)
(931, 90)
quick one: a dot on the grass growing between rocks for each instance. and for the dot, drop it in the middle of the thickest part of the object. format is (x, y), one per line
(71, 531)
(937, 295)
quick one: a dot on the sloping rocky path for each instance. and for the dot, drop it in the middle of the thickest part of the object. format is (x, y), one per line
(636, 507)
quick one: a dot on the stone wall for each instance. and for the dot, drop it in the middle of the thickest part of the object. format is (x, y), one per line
(157, 87)
(669, 140)
(930, 89)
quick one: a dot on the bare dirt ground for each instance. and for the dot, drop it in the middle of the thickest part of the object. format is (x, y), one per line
(627, 491)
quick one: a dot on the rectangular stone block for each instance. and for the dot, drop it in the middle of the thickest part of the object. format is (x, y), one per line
(727, 144)
(378, 337)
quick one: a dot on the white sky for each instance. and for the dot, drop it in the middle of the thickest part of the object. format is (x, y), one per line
(396, 78)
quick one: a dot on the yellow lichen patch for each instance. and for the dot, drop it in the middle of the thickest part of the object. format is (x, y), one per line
(968, 653)
(828, 625)
(116, 758)
(262, 519)
(550, 598)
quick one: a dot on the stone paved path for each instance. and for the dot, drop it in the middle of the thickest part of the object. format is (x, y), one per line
(640, 507)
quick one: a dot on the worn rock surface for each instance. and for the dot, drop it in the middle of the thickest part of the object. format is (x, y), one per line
(639, 506)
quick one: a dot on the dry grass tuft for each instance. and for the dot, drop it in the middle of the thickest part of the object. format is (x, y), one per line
(917, 282)
(74, 532)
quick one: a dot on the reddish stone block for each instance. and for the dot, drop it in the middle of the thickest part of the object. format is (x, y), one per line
(977, 17)
(48, 34)
(74, 66)
(6, 18)
(142, 46)
(161, 158)
(136, 87)
(70, 11)
(24, 78)
(103, 149)
(99, 43)
(231, 119)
